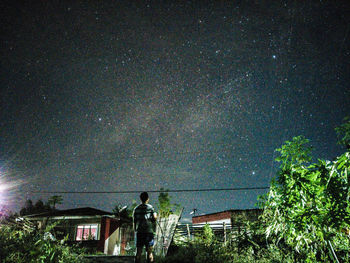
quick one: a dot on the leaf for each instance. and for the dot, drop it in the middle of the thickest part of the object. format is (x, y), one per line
(52, 256)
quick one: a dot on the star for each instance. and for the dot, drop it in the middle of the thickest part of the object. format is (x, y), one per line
(120, 89)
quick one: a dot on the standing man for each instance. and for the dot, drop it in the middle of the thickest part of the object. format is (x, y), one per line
(144, 219)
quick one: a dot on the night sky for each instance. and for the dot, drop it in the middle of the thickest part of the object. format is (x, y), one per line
(138, 95)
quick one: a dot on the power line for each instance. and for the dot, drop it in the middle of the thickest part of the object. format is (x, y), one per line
(153, 191)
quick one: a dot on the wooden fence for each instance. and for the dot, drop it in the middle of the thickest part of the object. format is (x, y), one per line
(222, 231)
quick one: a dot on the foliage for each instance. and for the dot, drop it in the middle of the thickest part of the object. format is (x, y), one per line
(33, 246)
(53, 200)
(294, 152)
(39, 206)
(204, 248)
(247, 246)
(125, 212)
(165, 206)
(308, 205)
(343, 133)
(207, 237)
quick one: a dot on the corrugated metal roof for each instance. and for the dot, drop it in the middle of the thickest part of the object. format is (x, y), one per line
(83, 211)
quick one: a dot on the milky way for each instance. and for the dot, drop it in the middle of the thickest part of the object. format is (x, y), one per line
(139, 95)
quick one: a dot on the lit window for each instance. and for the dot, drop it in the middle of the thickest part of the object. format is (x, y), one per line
(87, 232)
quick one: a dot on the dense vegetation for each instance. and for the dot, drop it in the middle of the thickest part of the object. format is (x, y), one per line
(24, 244)
(41, 207)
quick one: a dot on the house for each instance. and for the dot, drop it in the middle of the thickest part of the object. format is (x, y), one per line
(90, 227)
(102, 231)
(230, 219)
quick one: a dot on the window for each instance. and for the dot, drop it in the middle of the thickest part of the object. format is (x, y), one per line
(87, 232)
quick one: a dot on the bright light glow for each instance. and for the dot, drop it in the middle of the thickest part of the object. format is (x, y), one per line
(2, 187)
(8, 189)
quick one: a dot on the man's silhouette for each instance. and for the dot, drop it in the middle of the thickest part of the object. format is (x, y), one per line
(144, 219)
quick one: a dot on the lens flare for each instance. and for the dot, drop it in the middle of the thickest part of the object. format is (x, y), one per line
(8, 189)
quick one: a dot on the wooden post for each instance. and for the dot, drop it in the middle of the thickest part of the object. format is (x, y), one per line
(188, 232)
(225, 239)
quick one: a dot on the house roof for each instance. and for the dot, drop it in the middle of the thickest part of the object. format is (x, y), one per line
(83, 211)
(227, 212)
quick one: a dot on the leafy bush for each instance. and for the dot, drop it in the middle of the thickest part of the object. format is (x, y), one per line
(32, 246)
(204, 248)
(307, 209)
(248, 246)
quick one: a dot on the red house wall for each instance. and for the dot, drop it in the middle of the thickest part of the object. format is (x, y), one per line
(211, 217)
(108, 226)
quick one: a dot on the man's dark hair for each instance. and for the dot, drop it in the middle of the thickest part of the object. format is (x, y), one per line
(144, 197)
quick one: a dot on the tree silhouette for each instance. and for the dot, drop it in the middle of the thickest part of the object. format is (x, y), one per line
(55, 199)
(343, 133)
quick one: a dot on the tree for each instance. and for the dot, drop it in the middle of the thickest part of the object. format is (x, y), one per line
(165, 207)
(55, 199)
(293, 152)
(38, 207)
(343, 133)
(308, 207)
(124, 212)
(130, 209)
(28, 208)
(164, 204)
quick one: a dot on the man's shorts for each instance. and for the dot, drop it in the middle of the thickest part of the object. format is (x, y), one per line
(144, 239)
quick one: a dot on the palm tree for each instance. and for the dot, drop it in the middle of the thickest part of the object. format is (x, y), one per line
(55, 199)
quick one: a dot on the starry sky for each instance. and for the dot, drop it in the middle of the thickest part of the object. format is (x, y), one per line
(139, 95)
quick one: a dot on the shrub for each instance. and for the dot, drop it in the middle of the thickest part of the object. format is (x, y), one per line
(308, 205)
(249, 246)
(32, 246)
